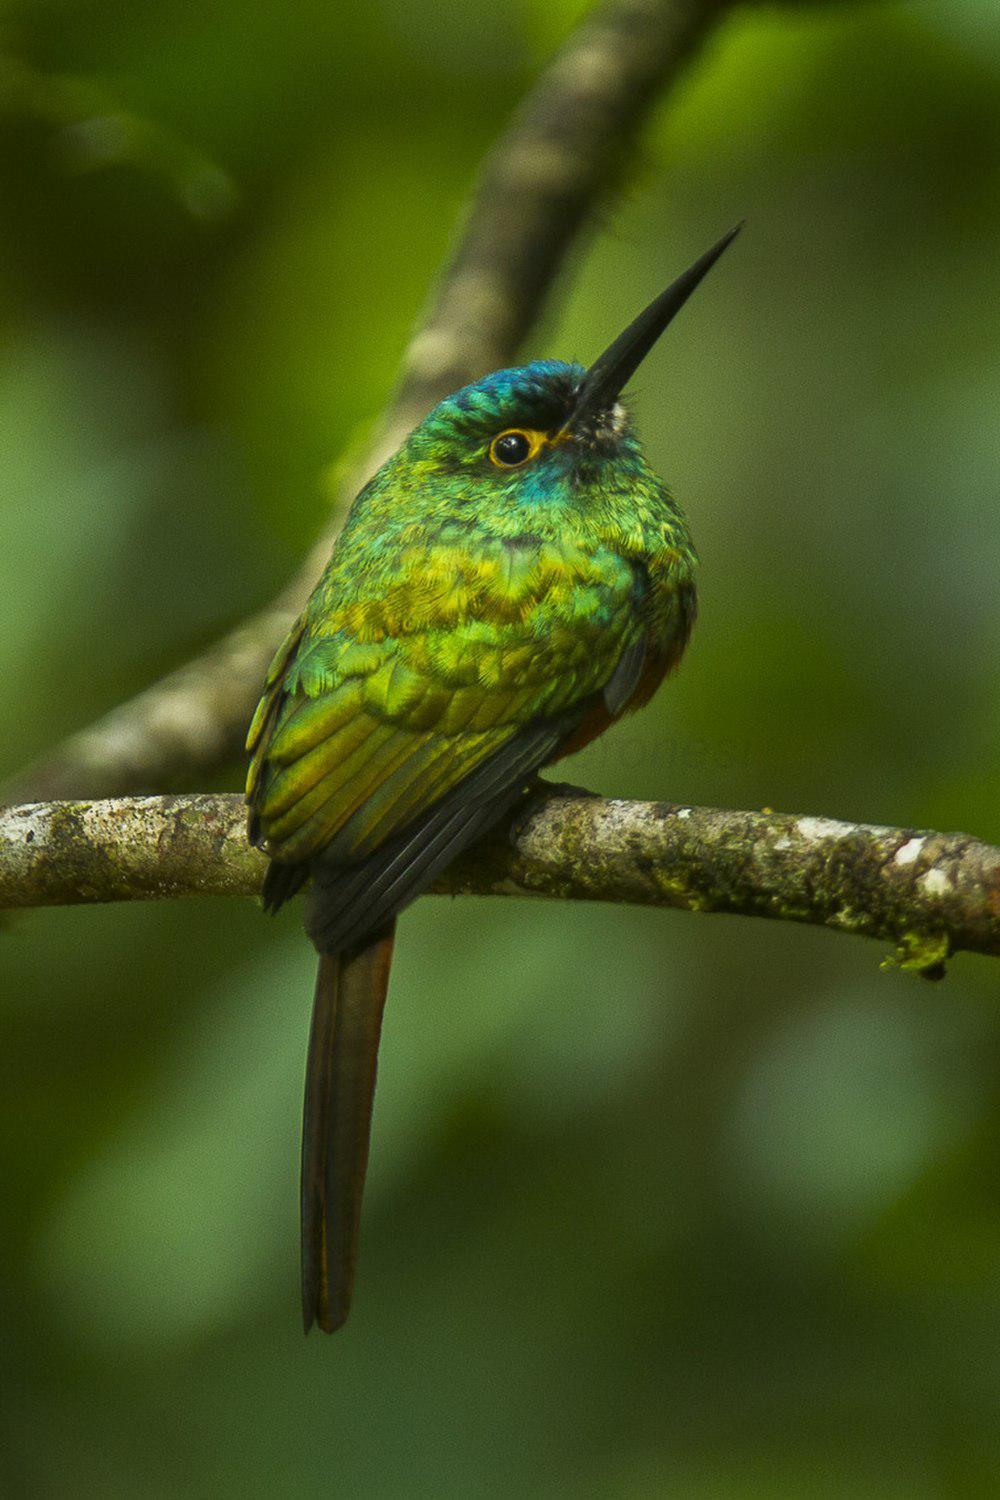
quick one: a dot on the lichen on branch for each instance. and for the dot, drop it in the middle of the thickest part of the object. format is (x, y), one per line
(928, 894)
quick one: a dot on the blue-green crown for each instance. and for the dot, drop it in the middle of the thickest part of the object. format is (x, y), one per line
(539, 395)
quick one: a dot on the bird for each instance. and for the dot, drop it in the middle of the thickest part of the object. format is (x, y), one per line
(511, 581)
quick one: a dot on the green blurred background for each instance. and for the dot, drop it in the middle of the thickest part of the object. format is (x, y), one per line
(660, 1204)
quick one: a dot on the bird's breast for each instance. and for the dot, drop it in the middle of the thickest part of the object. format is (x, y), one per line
(439, 583)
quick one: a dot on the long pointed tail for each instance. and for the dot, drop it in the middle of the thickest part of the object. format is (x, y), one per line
(340, 1090)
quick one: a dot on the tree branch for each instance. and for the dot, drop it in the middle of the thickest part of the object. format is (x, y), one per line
(563, 149)
(930, 894)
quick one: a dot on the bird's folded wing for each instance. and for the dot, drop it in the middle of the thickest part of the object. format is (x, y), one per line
(355, 742)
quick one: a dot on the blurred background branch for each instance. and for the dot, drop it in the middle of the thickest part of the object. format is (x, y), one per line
(92, 131)
(931, 894)
(563, 150)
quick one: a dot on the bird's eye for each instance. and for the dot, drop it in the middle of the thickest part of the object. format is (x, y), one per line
(513, 448)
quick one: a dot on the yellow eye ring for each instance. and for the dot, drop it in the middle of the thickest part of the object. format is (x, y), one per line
(516, 446)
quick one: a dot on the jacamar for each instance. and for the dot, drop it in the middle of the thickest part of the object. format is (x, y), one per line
(512, 579)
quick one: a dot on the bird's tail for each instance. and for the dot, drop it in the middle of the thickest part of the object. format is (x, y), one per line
(340, 1088)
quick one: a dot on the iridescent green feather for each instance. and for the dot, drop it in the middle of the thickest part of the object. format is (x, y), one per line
(462, 604)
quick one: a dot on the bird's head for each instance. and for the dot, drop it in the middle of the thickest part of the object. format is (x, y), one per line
(547, 431)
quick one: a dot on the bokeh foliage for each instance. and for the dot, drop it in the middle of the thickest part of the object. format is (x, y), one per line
(659, 1204)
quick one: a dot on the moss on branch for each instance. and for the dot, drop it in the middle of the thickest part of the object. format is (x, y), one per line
(928, 894)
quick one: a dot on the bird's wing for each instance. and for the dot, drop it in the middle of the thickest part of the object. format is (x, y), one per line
(355, 739)
(395, 727)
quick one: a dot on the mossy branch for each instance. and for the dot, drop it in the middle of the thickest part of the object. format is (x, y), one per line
(562, 153)
(929, 894)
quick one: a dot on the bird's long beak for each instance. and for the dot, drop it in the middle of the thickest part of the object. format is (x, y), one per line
(609, 373)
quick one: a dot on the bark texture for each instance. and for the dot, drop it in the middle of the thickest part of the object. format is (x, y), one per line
(928, 894)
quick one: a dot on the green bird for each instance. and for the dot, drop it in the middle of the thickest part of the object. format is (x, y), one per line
(512, 580)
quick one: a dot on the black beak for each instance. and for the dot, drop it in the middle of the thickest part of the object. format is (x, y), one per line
(608, 375)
